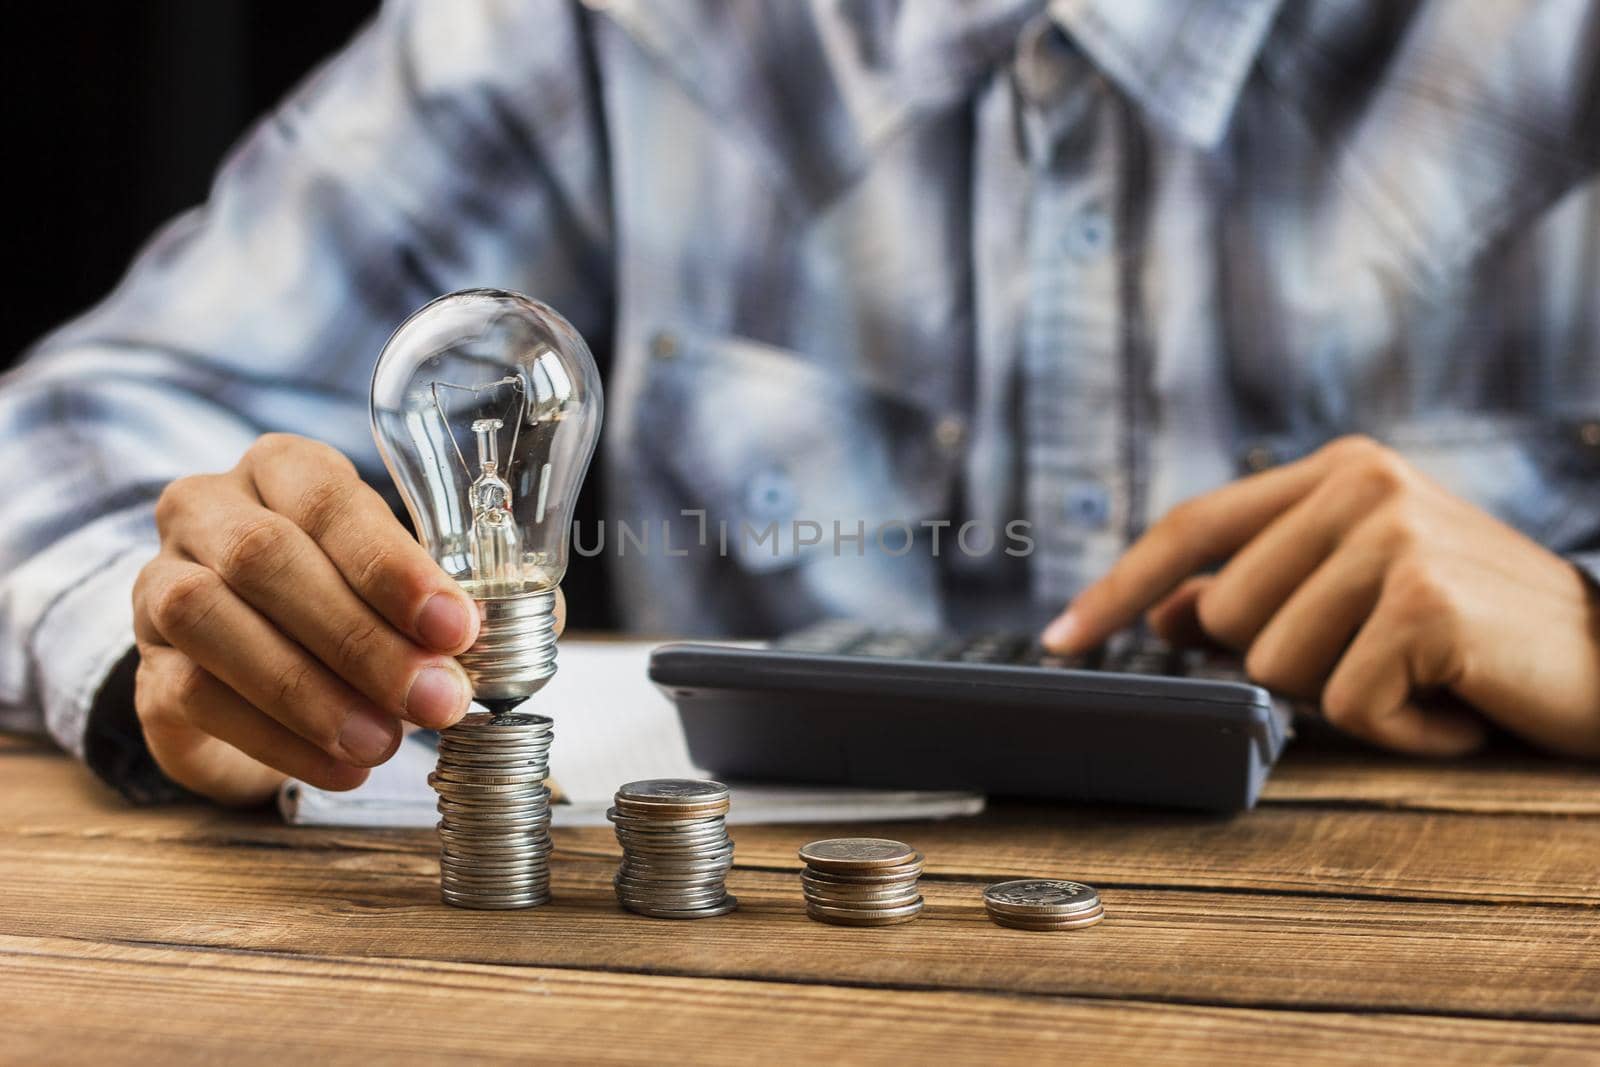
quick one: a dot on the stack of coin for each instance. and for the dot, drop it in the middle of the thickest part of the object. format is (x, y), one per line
(861, 881)
(675, 848)
(1043, 904)
(495, 829)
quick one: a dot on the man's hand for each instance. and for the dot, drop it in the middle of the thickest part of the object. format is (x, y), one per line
(288, 625)
(1354, 580)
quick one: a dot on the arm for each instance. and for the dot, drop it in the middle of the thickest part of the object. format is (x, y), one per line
(448, 146)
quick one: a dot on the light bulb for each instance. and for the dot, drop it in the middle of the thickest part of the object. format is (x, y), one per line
(486, 408)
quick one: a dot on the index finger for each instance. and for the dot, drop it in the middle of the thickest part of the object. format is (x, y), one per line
(1191, 536)
(319, 490)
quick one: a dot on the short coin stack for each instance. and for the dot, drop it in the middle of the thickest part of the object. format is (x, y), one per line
(861, 881)
(495, 829)
(1043, 904)
(675, 848)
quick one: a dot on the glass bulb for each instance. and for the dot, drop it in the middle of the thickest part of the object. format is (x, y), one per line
(486, 408)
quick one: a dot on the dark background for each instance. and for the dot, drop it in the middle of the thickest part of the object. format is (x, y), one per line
(117, 112)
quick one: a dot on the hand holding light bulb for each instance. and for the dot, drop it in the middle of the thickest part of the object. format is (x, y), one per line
(290, 624)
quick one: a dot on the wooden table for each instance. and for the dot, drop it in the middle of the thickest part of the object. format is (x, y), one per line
(1373, 910)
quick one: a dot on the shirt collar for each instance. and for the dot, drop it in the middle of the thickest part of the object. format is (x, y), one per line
(863, 68)
(1183, 61)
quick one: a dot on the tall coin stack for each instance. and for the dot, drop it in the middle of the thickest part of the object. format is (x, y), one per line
(861, 881)
(675, 848)
(1043, 904)
(495, 829)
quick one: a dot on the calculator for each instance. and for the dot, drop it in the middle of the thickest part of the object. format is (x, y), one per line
(842, 703)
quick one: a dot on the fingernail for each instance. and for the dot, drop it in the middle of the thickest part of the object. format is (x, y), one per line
(367, 739)
(438, 697)
(1060, 631)
(443, 622)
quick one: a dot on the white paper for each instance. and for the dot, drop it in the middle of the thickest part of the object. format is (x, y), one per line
(612, 726)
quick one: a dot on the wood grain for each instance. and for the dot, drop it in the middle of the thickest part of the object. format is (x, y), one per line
(1369, 912)
(1493, 783)
(1216, 948)
(132, 1004)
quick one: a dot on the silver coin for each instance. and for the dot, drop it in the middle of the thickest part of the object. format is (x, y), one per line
(725, 906)
(522, 759)
(857, 853)
(676, 856)
(504, 747)
(494, 865)
(717, 836)
(483, 790)
(511, 720)
(835, 907)
(684, 897)
(647, 864)
(535, 831)
(673, 791)
(858, 891)
(683, 808)
(498, 887)
(487, 867)
(684, 854)
(646, 879)
(662, 822)
(499, 750)
(1040, 896)
(1079, 922)
(646, 835)
(645, 883)
(490, 852)
(658, 866)
(851, 917)
(476, 903)
(499, 812)
(877, 876)
(459, 775)
(519, 846)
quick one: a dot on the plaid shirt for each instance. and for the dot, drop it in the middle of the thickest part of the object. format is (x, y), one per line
(865, 262)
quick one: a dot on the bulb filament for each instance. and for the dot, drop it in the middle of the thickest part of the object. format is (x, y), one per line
(496, 543)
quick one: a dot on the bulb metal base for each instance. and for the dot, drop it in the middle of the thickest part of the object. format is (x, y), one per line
(515, 653)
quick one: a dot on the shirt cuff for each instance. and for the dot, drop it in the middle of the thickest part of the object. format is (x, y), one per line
(83, 649)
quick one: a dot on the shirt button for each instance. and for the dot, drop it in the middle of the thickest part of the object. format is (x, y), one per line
(664, 345)
(769, 494)
(1086, 505)
(1258, 458)
(949, 433)
(1589, 433)
(1088, 235)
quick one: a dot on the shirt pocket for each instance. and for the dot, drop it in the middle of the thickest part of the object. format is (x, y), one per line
(785, 450)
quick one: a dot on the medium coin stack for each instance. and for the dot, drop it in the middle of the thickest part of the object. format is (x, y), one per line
(495, 829)
(1043, 904)
(675, 848)
(861, 881)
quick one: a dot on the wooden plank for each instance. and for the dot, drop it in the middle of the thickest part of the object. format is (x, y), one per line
(72, 1003)
(1337, 852)
(1215, 948)
(1494, 783)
